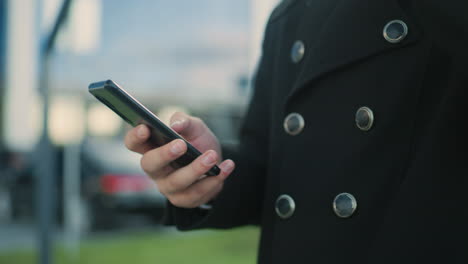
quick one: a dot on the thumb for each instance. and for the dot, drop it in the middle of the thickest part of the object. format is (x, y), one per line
(187, 126)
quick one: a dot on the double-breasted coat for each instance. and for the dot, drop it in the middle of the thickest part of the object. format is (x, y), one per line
(355, 145)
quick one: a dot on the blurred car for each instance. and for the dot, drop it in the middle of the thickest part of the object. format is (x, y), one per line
(115, 188)
(16, 187)
(114, 191)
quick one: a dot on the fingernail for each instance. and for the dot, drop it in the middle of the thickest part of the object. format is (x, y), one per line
(176, 123)
(228, 166)
(208, 159)
(141, 132)
(177, 148)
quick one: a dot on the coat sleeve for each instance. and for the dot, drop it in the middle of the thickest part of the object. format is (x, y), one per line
(240, 201)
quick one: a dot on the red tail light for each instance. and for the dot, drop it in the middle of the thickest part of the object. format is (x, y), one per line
(122, 183)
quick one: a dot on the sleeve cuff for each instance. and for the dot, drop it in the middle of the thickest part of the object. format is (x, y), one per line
(185, 219)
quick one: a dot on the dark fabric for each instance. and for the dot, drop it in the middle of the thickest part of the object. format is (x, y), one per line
(409, 173)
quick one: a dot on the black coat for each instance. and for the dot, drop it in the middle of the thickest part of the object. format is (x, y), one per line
(408, 173)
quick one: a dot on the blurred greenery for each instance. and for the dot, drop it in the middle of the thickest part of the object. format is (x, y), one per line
(145, 247)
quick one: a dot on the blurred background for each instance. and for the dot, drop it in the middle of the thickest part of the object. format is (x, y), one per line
(69, 190)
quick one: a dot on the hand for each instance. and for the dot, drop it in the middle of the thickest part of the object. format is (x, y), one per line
(185, 187)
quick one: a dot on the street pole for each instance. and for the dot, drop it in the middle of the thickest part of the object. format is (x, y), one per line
(45, 158)
(46, 173)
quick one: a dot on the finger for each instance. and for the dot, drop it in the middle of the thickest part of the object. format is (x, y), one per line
(226, 167)
(187, 126)
(156, 161)
(204, 190)
(211, 195)
(178, 121)
(188, 175)
(137, 139)
(198, 194)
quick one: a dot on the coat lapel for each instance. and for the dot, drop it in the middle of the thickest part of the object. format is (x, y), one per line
(352, 32)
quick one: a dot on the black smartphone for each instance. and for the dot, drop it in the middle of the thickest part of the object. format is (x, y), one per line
(134, 113)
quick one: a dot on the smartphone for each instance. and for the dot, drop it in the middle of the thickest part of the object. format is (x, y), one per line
(134, 113)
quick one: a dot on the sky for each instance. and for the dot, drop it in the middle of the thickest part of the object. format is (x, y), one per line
(189, 50)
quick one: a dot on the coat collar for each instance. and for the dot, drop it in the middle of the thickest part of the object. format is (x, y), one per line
(352, 32)
(280, 9)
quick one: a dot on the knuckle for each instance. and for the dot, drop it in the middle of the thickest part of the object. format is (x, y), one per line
(155, 160)
(129, 142)
(175, 200)
(179, 200)
(170, 184)
(191, 203)
(176, 115)
(219, 182)
(166, 170)
(147, 164)
(160, 187)
(197, 120)
(184, 200)
(197, 191)
(198, 167)
(219, 188)
(165, 153)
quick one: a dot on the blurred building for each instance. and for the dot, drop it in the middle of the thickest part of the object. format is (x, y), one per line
(163, 51)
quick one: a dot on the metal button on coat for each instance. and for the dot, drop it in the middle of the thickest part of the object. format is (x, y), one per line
(344, 205)
(395, 31)
(285, 206)
(294, 124)
(297, 51)
(364, 118)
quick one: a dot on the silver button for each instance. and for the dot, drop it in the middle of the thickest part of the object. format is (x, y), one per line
(293, 124)
(344, 205)
(395, 31)
(364, 118)
(285, 206)
(297, 51)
